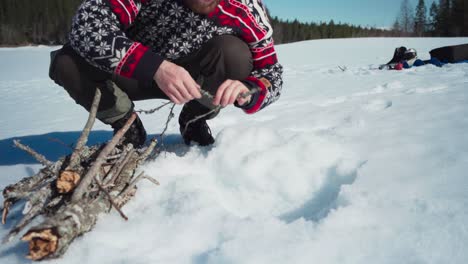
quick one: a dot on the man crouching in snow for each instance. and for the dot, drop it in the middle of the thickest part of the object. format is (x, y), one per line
(169, 49)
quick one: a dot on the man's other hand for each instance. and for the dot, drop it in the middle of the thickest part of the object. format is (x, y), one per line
(176, 83)
(231, 91)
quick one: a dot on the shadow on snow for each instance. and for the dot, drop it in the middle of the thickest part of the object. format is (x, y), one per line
(57, 144)
(325, 199)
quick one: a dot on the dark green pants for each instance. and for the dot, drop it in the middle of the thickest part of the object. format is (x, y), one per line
(221, 58)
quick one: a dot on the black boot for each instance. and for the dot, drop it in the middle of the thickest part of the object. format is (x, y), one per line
(136, 134)
(197, 131)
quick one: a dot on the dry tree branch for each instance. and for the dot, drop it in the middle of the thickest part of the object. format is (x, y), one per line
(69, 216)
(154, 181)
(75, 157)
(111, 200)
(6, 210)
(114, 157)
(70, 176)
(25, 187)
(117, 166)
(88, 178)
(148, 151)
(131, 186)
(114, 173)
(40, 158)
(36, 203)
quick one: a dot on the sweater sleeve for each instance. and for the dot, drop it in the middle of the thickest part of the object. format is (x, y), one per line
(267, 74)
(98, 35)
(268, 78)
(250, 19)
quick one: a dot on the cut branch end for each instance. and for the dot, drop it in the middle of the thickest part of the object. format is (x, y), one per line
(6, 209)
(67, 181)
(41, 243)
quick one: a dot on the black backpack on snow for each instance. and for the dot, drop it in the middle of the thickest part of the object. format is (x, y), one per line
(451, 54)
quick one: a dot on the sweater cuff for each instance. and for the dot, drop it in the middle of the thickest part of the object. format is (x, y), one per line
(139, 63)
(253, 99)
(257, 99)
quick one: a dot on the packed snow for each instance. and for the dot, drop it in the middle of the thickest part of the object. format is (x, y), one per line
(351, 165)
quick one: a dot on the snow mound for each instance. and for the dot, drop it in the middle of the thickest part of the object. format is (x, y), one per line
(256, 171)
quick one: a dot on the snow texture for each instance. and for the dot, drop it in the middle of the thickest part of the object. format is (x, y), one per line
(351, 165)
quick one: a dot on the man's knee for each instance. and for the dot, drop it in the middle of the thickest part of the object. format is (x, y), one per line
(62, 67)
(66, 65)
(236, 56)
(80, 80)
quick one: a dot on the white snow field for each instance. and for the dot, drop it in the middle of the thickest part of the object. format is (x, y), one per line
(353, 166)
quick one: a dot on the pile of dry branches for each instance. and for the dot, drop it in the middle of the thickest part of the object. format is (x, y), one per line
(71, 192)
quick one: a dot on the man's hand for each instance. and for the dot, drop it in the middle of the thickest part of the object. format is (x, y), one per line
(229, 92)
(176, 83)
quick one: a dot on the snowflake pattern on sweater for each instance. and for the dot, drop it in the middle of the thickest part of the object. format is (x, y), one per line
(132, 37)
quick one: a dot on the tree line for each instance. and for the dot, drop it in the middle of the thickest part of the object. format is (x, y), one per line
(35, 22)
(444, 18)
(48, 22)
(286, 31)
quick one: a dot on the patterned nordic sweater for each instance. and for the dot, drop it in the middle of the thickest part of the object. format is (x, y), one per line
(131, 38)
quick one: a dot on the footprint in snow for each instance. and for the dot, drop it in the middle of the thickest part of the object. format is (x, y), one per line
(436, 89)
(377, 105)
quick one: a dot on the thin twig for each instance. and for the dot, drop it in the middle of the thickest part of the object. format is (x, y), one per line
(154, 181)
(131, 185)
(75, 156)
(88, 178)
(6, 210)
(116, 165)
(111, 200)
(56, 140)
(195, 119)
(169, 118)
(206, 94)
(152, 111)
(40, 158)
(119, 167)
(135, 181)
(113, 157)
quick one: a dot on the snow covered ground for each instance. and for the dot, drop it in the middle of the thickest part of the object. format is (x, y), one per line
(354, 166)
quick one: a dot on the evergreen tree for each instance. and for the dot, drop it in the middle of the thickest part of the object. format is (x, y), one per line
(444, 18)
(420, 19)
(396, 28)
(434, 19)
(459, 18)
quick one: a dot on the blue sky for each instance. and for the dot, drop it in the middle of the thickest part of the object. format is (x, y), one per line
(380, 13)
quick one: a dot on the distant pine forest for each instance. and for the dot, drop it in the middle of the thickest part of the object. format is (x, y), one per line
(47, 22)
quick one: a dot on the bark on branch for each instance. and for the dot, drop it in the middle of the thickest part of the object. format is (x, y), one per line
(83, 139)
